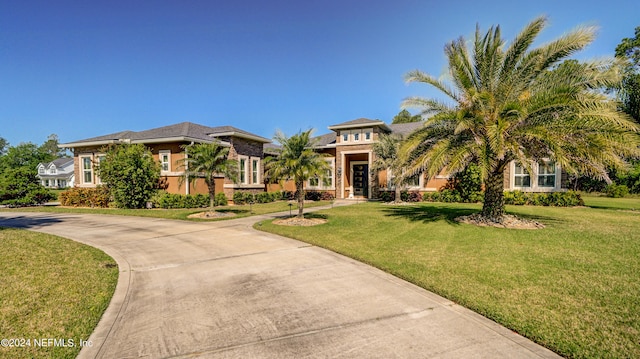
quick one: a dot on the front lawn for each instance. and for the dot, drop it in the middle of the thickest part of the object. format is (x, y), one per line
(51, 288)
(572, 287)
(240, 210)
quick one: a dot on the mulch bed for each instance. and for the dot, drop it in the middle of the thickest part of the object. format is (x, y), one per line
(507, 221)
(295, 221)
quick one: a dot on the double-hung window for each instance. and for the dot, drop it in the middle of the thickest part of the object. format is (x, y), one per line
(86, 169)
(165, 160)
(255, 173)
(521, 176)
(546, 174)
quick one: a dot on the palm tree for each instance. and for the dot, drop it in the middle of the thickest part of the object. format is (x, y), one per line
(296, 161)
(385, 152)
(208, 160)
(513, 103)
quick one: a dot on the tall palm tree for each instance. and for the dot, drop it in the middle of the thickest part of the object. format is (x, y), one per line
(385, 152)
(296, 161)
(513, 103)
(208, 160)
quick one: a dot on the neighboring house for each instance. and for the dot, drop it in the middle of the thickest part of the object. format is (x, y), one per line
(168, 147)
(57, 174)
(348, 150)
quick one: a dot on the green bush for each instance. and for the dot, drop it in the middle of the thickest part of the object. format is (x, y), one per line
(86, 197)
(556, 199)
(166, 200)
(318, 196)
(386, 196)
(221, 199)
(21, 187)
(466, 184)
(616, 190)
(412, 196)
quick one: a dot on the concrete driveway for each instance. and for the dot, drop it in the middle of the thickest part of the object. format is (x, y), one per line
(225, 290)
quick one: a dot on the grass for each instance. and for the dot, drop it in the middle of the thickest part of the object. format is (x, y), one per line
(572, 287)
(51, 287)
(240, 211)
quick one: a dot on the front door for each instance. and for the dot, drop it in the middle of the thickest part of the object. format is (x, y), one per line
(361, 180)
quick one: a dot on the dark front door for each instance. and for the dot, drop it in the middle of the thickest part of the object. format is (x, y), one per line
(361, 180)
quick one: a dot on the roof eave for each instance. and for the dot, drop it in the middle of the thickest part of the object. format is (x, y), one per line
(361, 125)
(241, 135)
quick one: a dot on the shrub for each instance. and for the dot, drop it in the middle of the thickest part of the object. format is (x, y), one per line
(412, 196)
(86, 197)
(221, 199)
(386, 196)
(616, 190)
(318, 196)
(166, 200)
(557, 199)
(466, 184)
(21, 187)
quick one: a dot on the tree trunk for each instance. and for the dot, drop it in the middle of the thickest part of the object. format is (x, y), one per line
(211, 184)
(300, 196)
(493, 207)
(398, 194)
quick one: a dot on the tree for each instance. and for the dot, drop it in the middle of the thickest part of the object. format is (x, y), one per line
(405, 116)
(4, 144)
(208, 160)
(296, 161)
(20, 187)
(385, 152)
(629, 90)
(24, 155)
(50, 147)
(130, 173)
(510, 103)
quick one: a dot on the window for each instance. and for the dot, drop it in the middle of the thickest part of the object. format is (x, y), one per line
(521, 177)
(86, 169)
(165, 160)
(46, 183)
(52, 171)
(100, 159)
(546, 174)
(356, 136)
(313, 182)
(41, 170)
(367, 136)
(327, 180)
(413, 181)
(243, 170)
(345, 136)
(255, 165)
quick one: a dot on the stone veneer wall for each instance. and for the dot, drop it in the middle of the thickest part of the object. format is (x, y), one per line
(244, 147)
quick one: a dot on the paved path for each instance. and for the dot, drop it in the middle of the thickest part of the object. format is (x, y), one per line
(225, 290)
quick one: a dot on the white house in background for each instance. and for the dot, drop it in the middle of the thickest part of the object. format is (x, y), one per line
(57, 174)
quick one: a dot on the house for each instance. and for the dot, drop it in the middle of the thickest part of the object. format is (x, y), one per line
(348, 149)
(168, 146)
(57, 174)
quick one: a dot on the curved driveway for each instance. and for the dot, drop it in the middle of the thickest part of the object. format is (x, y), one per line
(225, 290)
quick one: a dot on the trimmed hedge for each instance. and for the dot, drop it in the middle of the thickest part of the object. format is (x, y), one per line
(167, 200)
(318, 196)
(555, 199)
(86, 197)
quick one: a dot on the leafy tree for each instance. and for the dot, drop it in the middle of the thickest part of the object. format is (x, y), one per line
(130, 173)
(629, 50)
(509, 104)
(4, 144)
(24, 155)
(385, 152)
(50, 147)
(20, 186)
(208, 160)
(405, 116)
(296, 161)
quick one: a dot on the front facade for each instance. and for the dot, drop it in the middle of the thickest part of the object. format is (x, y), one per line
(168, 146)
(348, 149)
(57, 174)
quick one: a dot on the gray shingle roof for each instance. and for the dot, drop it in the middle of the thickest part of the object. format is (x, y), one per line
(359, 121)
(184, 129)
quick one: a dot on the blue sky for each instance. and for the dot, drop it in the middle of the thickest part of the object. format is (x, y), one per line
(87, 68)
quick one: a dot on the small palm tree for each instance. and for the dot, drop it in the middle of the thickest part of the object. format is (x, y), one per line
(513, 103)
(296, 161)
(385, 152)
(208, 160)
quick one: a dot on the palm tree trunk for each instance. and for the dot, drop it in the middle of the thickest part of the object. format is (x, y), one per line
(300, 196)
(493, 207)
(211, 185)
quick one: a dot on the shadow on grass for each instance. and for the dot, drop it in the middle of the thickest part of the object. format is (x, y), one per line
(427, 214)
(434, 213)
(28, 222)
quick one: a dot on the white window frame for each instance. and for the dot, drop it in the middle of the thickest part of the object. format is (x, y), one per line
(356, 136)
(545, 164)
(254, 171)
(41, 170)
(321, 180)
(161, 154)
(367, 134)
(84, 171)
(98, 158)
(243, 172)
(522, 175)
(344, 134)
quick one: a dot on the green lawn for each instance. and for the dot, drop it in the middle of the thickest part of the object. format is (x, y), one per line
(573, 287)
(240, 211)
(51, 287)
